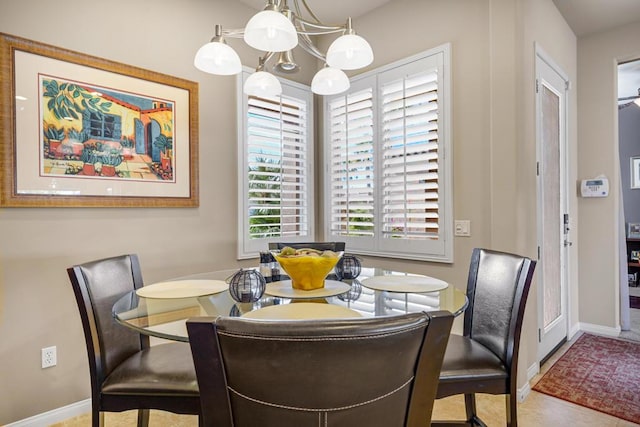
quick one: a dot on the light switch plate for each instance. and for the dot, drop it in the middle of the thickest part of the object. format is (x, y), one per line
(463, 228)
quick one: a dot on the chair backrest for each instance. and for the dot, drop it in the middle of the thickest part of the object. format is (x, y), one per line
(497, 290)
(321, 246)
(97, 285)
(369, 371)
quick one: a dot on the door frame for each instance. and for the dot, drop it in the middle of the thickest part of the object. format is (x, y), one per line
(565, 262)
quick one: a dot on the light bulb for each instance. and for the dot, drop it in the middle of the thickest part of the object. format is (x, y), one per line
(262, 83)
(349, 52)
(270, 31)
(329, 81)
(218, 58)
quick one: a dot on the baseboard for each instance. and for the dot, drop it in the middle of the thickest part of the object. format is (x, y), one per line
(55, 415)
(573, 331)
(524, 391)
(600, 330)
(533, 371)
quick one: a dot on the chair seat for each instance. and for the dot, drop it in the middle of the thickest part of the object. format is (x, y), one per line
(466, 360)
(162, 370)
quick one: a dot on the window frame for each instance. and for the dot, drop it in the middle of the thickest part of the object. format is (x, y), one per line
(250, 248)
(427, 250)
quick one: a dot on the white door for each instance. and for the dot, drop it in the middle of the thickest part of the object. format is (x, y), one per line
(553, 216)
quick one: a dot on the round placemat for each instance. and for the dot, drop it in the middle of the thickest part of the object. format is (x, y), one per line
(404, 283)
(182, 289)
(283, 289)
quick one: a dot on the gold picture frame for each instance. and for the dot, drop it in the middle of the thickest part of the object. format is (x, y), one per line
(82, 131)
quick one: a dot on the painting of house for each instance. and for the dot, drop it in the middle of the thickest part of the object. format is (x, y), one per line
(92, 132)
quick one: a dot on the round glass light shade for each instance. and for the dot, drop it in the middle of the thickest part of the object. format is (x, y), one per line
(262, 83)
(349, 52)
(329, 81)
(217, 58)
(270, 31)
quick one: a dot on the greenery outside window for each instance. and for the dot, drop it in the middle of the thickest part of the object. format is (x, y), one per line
(275, 167)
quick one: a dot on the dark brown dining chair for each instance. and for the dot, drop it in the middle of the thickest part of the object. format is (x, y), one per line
(126, 373)
(374, 372)
(485, 358)
(321, 246)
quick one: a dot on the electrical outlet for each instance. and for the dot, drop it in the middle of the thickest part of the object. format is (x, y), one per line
(49, 357)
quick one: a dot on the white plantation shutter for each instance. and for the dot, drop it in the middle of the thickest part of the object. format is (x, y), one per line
(276, 169)
(387, 187)
(351, 164)
(410, 156)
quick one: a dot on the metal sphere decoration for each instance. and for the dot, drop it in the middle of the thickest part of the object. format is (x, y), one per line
(235, 311)
(352, 294)
(247, 286)
(349, 267)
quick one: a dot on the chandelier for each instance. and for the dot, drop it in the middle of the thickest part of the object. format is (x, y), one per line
(276, 30)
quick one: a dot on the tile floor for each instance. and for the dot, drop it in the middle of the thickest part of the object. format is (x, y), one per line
(538, 410)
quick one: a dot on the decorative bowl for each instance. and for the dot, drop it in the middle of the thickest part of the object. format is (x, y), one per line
(307, 268)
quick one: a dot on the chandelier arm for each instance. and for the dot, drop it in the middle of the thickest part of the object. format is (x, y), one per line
(329, 28)
(308, 9)
(267, 56)
(310, 48)
(298, 12)
(235, 33)
(238, 33)
(317, 33)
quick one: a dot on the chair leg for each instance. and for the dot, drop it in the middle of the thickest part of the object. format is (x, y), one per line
(143, 417)
(97, 418)
(470, 406)
(512, 410)
(472, 413)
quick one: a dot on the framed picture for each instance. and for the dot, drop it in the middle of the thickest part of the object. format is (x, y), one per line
(635, 172)
(634, 256)
(79, 130)
(633, 230)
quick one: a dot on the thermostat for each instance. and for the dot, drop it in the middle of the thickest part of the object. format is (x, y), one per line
(595, 187)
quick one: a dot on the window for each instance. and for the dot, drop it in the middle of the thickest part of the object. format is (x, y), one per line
(104, 126)
(276, 168)
(388, 162)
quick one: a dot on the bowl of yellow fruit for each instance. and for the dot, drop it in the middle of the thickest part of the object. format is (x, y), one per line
(306, 267)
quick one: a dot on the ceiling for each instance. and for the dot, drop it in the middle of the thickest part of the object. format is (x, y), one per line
(331, 11)
(592, 16)
(583, 16)
(587, 17)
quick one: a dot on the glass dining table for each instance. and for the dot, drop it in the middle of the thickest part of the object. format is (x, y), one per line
(375, 292)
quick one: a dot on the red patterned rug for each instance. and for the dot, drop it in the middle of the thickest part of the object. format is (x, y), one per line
(599, 373)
